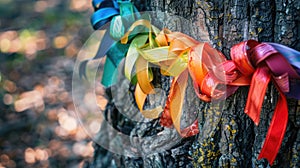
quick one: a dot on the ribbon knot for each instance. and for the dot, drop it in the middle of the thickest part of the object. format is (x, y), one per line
(279, 66)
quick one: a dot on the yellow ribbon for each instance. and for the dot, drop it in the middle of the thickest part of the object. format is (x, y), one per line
(169, 50)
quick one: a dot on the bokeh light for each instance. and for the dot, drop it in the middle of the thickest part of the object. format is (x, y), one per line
(38, 42)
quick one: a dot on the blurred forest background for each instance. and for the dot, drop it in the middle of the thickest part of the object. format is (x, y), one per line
(39, 42)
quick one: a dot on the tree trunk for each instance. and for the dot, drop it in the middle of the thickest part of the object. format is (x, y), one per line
(227, 138)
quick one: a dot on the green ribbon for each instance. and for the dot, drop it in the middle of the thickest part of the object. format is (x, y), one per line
(118, 27)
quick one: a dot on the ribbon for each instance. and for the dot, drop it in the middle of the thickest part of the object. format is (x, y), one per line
(104, 11)
(270, 63)
(214, 77)
(276, 131)
(114, 56)
(293, 58)
(109, 10)
(173, 109)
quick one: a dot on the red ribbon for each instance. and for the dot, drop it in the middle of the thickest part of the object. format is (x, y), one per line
(270, 64)
(253, 64)
(276, 131)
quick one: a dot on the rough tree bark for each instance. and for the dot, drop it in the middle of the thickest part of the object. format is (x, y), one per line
(228, 138)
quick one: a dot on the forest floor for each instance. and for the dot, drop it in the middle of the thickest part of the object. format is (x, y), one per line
(39, 42)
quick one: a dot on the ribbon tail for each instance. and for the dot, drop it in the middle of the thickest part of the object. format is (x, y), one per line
(106, 43)
(110, 73)
(294, 89)
(276, 131)
(165, 119)
(140, 98)
(143, 75)
(173, 109)
(101, 52)
(175, 105)
(132, 54)
(177, 94)
(190, 130)
(258, 87)
(114, 56)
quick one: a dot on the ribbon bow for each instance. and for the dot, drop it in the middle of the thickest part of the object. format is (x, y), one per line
(271, 61)
(253, 64)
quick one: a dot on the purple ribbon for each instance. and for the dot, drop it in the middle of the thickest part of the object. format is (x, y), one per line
(293, 57)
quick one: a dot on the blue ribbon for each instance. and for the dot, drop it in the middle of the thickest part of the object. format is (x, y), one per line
(102, 16)
(104, 11)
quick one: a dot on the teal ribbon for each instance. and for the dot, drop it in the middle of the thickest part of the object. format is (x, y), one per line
(118, 51)
(114, 56)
